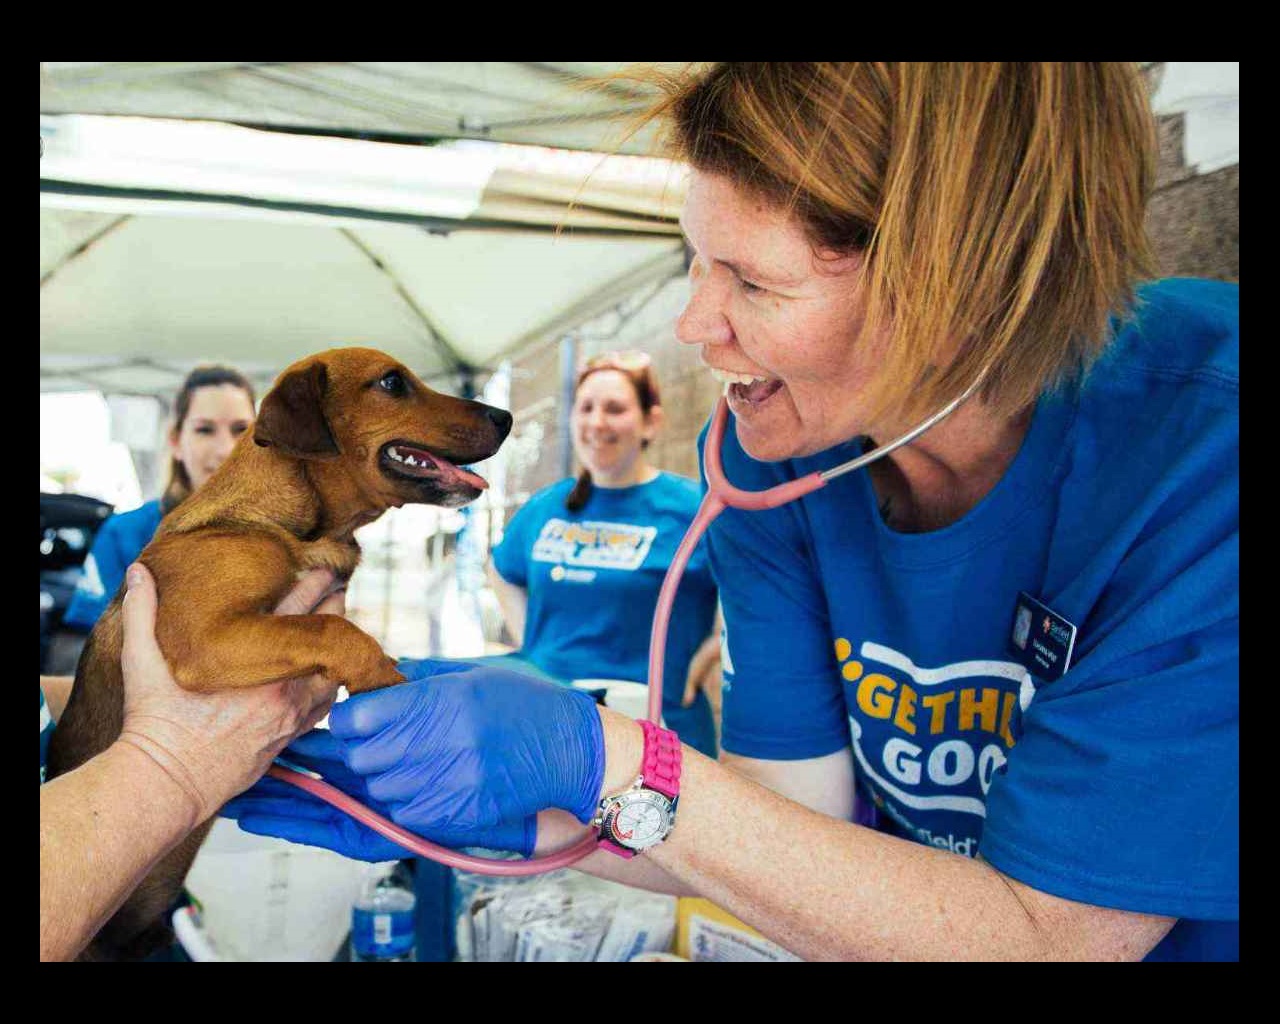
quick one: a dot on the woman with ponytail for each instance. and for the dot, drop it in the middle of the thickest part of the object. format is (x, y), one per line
(213, 408)
(581, 563)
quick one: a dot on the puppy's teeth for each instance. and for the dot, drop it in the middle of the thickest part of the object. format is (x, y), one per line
(410, 461)
(727, 385)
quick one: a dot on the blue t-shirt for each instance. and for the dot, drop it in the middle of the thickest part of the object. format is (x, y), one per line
(117, 544)
(593, 577)
(1118, 783)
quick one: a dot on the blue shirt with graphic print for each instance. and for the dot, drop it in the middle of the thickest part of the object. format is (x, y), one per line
(1116, 784)
(118, 543)
(593, 577)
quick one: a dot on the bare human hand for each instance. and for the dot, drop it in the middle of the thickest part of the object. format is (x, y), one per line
(215, 745)
(704, 674)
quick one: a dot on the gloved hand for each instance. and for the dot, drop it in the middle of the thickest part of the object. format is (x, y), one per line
(275, 808)
(466, 749)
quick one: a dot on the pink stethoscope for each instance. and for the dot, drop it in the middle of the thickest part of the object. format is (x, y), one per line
(720, 495)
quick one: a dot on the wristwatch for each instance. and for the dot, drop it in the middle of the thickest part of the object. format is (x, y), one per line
(644, 814)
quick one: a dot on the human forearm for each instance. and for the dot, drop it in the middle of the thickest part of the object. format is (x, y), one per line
(830, 890)
(821, 887)
(180, 756)
(827, 889)
(102, 828)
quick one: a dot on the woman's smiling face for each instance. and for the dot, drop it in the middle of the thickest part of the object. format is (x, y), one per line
(765, 306)
(610, 428)
(216, 419)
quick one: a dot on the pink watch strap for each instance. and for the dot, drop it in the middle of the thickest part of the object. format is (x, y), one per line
(659, 770)
(661, 766)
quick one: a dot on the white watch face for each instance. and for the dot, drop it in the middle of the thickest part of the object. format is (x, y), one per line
(642, 820)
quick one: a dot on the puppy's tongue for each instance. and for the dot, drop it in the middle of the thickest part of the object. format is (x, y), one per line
(420, 462)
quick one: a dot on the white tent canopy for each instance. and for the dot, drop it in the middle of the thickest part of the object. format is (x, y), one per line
(549, 103)
(167, 241)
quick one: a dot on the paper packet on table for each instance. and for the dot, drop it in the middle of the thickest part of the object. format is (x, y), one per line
(492, 917)
(561, 916)
(571, 935)
(473, 895)
(643, 922)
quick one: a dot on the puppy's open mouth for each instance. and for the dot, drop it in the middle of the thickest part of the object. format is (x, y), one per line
(417, 463)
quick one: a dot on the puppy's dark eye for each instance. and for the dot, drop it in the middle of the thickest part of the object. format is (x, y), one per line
(393, 383)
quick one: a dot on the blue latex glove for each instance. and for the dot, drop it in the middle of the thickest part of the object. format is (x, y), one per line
(470, 748)
(275, 808)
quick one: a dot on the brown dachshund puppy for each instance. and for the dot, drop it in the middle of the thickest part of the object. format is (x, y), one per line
(341, 437)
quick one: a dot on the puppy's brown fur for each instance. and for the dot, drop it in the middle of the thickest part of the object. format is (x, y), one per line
(290, 496)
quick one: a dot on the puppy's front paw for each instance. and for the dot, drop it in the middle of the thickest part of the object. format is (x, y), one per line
(383, 674)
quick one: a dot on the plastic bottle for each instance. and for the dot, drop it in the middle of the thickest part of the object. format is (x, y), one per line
(382, 919)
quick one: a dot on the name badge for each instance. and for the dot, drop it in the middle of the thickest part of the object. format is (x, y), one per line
(1042, 639)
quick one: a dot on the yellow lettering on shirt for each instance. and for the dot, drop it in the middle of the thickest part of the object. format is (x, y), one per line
(937, 703)
(984, 709)
(905, 715)
(576, 534)
(874, 695)
(1006, 715)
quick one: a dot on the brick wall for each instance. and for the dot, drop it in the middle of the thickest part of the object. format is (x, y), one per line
(1194, 217)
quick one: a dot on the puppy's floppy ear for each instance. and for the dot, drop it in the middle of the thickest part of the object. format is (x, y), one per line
(292, 416)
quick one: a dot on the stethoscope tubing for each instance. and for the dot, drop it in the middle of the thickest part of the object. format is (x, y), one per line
(721, 494)
(425, 848)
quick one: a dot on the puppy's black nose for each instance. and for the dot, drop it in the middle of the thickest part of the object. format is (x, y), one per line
(500, 418)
